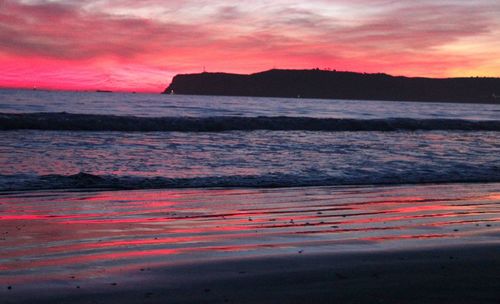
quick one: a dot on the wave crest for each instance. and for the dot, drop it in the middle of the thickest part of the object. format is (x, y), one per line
(82, 180)
(90, 122)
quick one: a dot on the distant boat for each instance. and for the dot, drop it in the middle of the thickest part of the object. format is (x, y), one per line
(104, 91)
(172, 92)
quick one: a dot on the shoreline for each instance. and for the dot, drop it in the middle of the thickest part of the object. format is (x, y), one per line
(495, 102)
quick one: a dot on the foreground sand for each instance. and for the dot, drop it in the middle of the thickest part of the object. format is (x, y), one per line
(445, 275)
(405, 244)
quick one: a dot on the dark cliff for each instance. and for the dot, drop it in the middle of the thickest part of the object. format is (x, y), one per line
(338, 85)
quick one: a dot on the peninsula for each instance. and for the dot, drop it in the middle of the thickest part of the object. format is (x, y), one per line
(338, 85)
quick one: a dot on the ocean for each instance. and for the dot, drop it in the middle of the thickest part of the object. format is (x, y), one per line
(140, 141)
(108, 193)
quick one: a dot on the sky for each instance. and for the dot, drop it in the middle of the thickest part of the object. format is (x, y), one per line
(129, 45)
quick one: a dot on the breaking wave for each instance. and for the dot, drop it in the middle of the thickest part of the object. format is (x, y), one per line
(89, 122)
(20, 182)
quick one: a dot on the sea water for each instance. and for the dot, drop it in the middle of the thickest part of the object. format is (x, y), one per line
(62, 140)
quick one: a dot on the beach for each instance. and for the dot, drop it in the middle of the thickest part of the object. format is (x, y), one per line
(249, 152)
(392, 244)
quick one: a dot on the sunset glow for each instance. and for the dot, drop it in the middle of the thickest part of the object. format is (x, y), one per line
(128, 45)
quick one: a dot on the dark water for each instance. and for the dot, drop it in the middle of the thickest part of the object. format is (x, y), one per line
(61, 140)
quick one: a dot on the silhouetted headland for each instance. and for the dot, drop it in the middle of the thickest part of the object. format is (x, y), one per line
(338, 85)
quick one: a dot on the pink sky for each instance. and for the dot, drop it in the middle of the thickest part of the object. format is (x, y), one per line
(130, 45)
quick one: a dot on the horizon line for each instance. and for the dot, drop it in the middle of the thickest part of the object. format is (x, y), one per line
(145, 91)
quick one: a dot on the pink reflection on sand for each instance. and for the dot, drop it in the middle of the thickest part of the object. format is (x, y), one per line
(493, 197)
(406, 237)
(60, 233)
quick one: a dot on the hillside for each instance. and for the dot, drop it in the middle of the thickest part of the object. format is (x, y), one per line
(338, 85)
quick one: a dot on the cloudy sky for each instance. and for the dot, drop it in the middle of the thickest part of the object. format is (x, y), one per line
(139, 45)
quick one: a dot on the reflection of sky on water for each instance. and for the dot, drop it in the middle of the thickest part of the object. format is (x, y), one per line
(54, 235)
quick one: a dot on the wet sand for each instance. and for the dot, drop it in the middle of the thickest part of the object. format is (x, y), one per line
(444, 275)
(406, 244)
